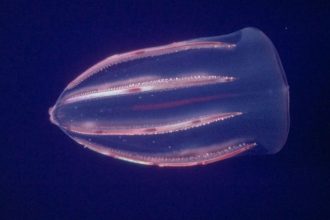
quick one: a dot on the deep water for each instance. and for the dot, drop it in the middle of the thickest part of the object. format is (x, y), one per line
(45, 175)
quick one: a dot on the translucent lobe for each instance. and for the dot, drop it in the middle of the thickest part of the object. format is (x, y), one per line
(147, 86)
(99, 128)
(184, 158)
(183, 104)
(148, 52)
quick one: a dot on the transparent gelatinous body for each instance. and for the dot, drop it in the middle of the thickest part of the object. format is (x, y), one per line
(183, 104)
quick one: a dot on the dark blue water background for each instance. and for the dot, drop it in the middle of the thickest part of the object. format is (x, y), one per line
(45, 175)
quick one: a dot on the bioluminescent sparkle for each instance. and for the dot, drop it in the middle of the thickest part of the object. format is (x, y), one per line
(183, 104)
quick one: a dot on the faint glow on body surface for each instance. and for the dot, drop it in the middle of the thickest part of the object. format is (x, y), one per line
(184, 104)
